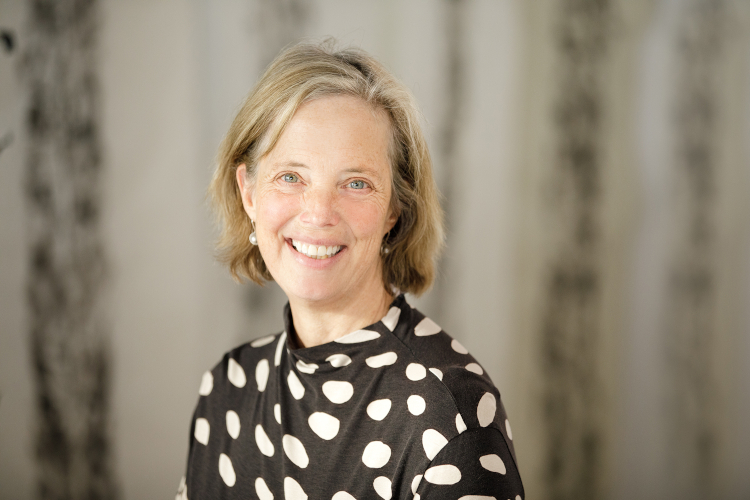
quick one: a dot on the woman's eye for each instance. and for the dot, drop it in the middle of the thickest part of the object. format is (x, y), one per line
(357, 184)
(290, 178)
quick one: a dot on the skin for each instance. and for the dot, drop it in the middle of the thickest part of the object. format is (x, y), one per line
(326, 182)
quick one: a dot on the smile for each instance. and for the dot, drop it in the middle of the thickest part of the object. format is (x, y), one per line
(315, 251)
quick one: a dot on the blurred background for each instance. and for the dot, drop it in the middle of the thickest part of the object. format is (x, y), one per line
(594, 161)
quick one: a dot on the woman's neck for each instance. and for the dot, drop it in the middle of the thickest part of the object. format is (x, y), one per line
(317, 324)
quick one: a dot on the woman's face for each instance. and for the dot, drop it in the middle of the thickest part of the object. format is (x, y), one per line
(321, 201)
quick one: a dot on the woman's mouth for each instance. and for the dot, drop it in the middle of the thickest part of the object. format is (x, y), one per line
(316, 251)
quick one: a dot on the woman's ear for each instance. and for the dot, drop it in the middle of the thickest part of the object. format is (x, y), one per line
(247, 191)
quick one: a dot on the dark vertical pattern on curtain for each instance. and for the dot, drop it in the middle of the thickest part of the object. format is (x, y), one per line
(571, 307)
(690, 334)
(68, 328)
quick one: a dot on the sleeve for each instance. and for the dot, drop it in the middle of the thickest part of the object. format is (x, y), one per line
(474, 465)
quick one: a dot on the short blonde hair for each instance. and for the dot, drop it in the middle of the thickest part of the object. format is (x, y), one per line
(300, 74)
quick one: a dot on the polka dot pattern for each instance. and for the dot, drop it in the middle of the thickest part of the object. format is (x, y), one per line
(358, 337)
(293, 490)
(493, 463)
(486, 409)
(416, 404)
(339, 360)
(295, 451)
(279, 349)
(391, 319)
(233, 424)
(264, 443)
(456, 346)
(378, 410)
(337, 391)
(426, 327)
(295, 386)
(308, 368)
(385, 359)
(236, 374)
(443, 474)
(262, 370)
(226, 470)
(382, 487)
(415, 372)
(207, 384)
(261, 489)
(376, 455)
(262, 341)
(433, 442)
(475, 368)
(352, 403)
(324, 425)
(202, 431)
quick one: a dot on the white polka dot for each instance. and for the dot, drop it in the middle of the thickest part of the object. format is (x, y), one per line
(277, 412)
(376, 454)
(415, 371)
(226, 470)
(207, 384)
(324, 425)
(382, 487)
(295, 386)
(262, 341)
(292, 490)
(426, 327)
(486, 409)
(443, 474)
(390, 320)
(492, 463)
(476, 497)
(308, 368)
(342, 495)
(456, 345)
(358, 336)
(295, 451)
(378, 409)
(437, 373)
(518, 497)
(475, 368)
(261, 489)
(416, 404)
(236, 374)
(202, 430)
(338, 392)
(233, 424)
(433, 442)
(415, 483)
(385, 359)
(339, 360)
(460, 424)
(507, 430)
(264, 444)
(261, 374)
(279, 349)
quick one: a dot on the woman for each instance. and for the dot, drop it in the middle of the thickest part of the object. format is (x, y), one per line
(324, 184)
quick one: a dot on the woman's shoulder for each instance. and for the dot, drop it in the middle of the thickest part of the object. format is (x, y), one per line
(470, 387)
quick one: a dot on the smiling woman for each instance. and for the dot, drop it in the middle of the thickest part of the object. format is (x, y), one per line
(324, 184)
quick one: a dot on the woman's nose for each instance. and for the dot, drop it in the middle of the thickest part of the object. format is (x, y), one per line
(319, 207)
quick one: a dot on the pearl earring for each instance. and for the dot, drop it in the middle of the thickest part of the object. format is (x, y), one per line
(253, 238)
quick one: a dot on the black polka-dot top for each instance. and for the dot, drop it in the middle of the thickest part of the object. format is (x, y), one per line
(396, 410)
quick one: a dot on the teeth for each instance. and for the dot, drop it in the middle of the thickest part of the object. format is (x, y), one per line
(315, 251)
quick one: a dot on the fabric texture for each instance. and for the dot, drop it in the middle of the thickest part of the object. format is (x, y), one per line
(398, 409)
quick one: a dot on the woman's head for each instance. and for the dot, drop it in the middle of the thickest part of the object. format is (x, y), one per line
(300, 75)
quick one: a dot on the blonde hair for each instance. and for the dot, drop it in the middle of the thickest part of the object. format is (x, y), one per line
(300, 74)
